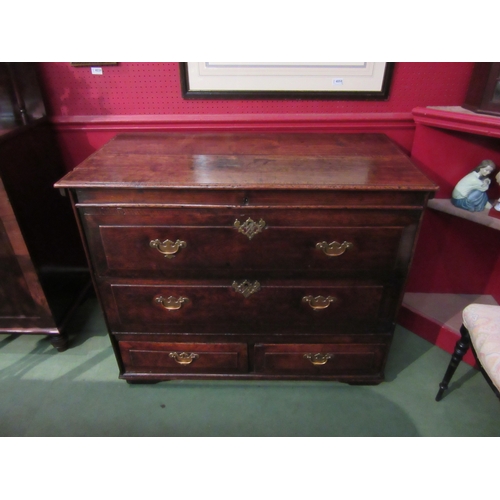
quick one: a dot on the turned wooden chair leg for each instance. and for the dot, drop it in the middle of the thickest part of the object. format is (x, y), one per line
(461, 347)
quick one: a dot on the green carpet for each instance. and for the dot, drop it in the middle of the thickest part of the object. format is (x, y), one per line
(78, 393)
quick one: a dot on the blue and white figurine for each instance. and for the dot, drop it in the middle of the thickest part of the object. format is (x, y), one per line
(470, 192)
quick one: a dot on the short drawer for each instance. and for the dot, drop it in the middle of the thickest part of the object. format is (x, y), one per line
(166, 357)
(319, 359)
(244, 306)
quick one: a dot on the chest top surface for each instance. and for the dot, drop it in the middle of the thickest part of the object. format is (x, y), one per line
(250, 161)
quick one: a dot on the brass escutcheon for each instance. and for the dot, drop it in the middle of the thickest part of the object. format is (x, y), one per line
(319, 358)
(334, 249)
(168, 248)
(249, 228)
(318, 302)
(171, 303)
(246, 288)
(184, 358)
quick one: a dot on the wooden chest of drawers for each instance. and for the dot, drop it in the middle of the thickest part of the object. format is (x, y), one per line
(249, 255)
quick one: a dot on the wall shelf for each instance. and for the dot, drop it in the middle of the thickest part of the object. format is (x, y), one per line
(444, 205)
(454, 264)
(458, 118)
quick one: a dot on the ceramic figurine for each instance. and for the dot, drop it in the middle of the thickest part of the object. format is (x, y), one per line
(470, 192)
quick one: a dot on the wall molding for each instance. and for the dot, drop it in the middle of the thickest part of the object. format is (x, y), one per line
(334, 122)
(458, 118)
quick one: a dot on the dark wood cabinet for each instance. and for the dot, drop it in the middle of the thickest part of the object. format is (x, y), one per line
(23, 305)
(483, 94)
(43, 272)
(220, 255)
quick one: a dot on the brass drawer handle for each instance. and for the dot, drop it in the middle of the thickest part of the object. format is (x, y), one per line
(318, 302)
(334, 249)
(168, 248)
(249, 228)
(171, 303)
(184, 358)
(319, 358)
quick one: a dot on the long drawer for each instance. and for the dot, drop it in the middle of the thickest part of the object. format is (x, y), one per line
(163, 248)
(242, 306)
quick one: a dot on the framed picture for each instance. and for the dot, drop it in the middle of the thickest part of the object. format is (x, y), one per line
(85, 64)
(278, 80)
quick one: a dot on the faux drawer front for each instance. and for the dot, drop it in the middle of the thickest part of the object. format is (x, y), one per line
(167, 249)
(244, 306)
(319, 359)
(164, 357)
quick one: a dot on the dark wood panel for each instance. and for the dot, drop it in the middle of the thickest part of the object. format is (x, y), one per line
(30, 165)
(226, 216)
(43, 271)
(15, 299)
(23, 305)
(254, 198)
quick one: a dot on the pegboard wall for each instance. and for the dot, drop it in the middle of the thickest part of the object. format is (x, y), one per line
(154, 89)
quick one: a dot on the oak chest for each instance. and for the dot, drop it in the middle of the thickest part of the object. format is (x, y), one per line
(244, 255)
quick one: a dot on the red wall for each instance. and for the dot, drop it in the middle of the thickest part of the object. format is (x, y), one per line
(154, 89)
(88, 110)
